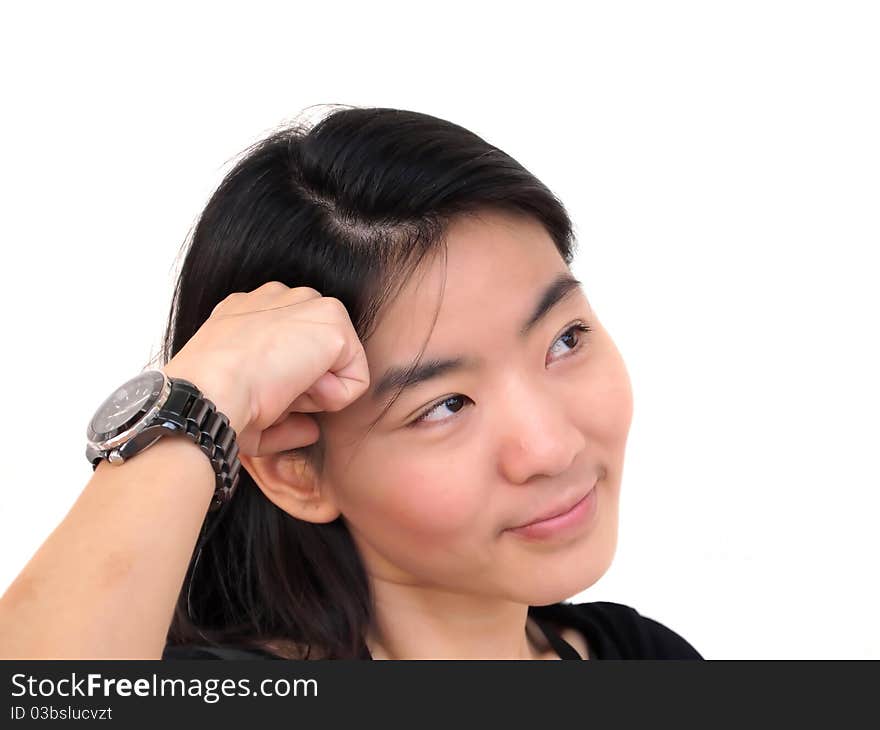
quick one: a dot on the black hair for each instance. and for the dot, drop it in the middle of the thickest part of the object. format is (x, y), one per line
(349, 206)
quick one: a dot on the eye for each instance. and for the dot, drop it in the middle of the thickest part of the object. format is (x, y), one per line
(569, 333)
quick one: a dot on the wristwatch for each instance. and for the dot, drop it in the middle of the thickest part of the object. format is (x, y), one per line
(152, 405)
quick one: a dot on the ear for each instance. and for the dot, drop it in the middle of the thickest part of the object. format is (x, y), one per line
(290, 483)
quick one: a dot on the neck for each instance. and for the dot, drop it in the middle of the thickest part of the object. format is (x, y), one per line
(420, 623)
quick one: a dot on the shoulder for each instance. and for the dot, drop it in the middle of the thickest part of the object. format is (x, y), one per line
(638, 636)
(645, 635)
(618, 631)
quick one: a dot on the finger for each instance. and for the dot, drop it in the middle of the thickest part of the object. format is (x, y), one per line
(304, 403)
(325, 394)
(291, 409)
(330, 392)
(295, 431)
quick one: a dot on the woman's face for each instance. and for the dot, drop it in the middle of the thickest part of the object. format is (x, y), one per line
(539, 418)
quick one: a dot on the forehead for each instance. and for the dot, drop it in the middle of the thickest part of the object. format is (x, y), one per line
(495, 264)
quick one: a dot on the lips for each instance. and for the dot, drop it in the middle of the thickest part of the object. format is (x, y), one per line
(558, 508)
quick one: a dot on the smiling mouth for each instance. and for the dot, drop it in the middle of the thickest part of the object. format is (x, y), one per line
(557, 512)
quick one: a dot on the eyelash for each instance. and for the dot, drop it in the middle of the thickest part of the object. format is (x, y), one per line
(582, 327)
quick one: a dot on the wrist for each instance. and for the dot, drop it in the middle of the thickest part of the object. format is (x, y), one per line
(225, 399)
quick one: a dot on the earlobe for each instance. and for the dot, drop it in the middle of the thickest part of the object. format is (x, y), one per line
(291, 484)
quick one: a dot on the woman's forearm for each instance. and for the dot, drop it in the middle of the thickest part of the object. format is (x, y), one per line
(105, 582)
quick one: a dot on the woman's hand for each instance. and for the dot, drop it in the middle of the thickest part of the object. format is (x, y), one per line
(268, 357)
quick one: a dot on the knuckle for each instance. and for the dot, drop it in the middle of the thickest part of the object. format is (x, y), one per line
(223, 303)
(333, 340)
(307, 291)
(274, 286)
(335, 305)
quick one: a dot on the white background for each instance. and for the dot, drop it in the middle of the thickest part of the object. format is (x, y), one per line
(722, 166)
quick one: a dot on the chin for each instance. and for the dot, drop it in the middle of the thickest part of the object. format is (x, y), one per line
(556, 578)
(563, 590)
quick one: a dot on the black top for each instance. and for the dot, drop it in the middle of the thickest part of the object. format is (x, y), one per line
(612, 631)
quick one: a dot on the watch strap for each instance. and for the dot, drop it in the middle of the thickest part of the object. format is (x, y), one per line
(189, 412)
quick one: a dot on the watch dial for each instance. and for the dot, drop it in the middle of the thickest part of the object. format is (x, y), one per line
(126, 405)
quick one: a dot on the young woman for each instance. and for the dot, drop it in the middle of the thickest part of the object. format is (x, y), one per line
(430, 419)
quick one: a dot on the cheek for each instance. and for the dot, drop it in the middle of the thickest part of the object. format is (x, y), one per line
(605, 400)
(614, 408)
(618, 405)
(428, 500)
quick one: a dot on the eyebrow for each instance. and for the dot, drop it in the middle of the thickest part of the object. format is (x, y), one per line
(400, 377)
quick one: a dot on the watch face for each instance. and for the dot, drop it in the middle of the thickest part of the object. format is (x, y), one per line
(127, 404)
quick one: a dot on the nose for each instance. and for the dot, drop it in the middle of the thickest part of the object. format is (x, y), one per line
(537, 435)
